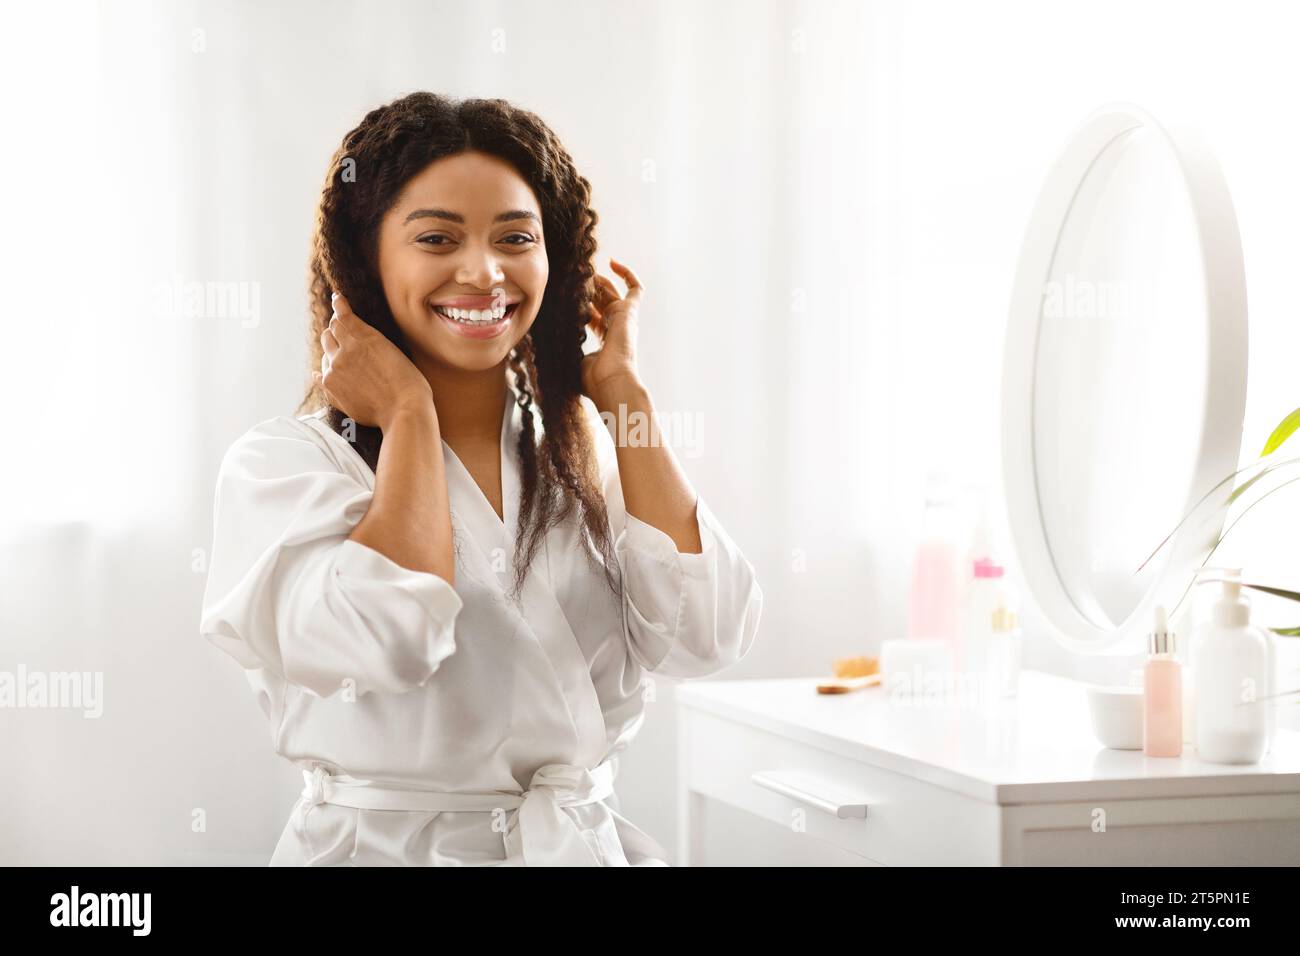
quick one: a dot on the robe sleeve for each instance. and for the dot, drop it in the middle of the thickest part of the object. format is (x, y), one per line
(289, 592)
(685, 615)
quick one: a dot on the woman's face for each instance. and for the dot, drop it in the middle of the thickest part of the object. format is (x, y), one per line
(465, 234)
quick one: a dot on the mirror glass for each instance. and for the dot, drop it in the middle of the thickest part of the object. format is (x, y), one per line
(1119, 381)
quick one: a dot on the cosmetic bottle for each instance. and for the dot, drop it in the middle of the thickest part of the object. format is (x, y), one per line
(1233, 680)
(1005, 646)
(932, 604)
(1162, 693)
(985, 578)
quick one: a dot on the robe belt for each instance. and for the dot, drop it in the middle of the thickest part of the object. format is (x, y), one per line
(547, 836)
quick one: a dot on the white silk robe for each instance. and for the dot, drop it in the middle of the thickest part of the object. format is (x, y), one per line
(439, 726)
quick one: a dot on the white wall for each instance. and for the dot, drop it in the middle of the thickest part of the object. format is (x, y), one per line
(828, 243)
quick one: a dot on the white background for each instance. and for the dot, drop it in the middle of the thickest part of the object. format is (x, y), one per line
(828, 242)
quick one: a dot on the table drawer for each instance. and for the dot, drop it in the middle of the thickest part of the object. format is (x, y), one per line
(800, 786)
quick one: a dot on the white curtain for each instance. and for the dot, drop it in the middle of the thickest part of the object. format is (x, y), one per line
(824, 199)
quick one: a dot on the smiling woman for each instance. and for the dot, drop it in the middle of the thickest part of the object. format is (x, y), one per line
(404, 263)
(444, 710)
(423, 217)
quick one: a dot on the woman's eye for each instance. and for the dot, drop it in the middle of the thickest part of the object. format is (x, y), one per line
(436, 239)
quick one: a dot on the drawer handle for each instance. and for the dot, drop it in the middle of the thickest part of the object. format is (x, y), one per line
(814, 792)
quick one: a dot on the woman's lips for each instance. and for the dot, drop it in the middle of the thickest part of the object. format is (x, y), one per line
(479, 331)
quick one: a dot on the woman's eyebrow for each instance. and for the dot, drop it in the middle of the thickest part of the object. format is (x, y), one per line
(508, 216)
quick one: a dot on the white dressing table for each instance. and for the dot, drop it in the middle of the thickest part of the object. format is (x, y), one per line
(1123, 393)
(1023, 782)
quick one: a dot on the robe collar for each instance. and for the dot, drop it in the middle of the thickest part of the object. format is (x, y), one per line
(488, 553)
(468, 502)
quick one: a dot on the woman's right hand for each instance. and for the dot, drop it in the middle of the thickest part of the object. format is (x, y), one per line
(365, 375)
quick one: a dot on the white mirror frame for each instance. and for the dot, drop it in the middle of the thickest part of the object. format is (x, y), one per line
(1225, 397)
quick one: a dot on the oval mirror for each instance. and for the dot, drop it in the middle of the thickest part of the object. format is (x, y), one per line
(1124, 379)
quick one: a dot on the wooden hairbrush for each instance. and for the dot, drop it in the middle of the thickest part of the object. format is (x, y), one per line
(851, 673)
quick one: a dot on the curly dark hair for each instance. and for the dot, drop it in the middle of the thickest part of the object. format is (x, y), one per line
(389, 147)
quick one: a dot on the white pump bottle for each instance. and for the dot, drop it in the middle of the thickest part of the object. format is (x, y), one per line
(1233, 676)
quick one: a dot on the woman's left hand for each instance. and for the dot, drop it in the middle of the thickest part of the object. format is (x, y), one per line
(614, 320)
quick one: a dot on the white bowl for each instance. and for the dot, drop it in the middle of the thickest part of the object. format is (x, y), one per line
(1116, 716)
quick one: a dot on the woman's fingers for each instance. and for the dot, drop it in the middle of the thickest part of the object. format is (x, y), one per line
(607, 293)
(343, 322)
(634, 286)
(329, 342)
(343, 326)
(340, 328)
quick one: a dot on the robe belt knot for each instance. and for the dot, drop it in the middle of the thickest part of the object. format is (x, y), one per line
(538, 832)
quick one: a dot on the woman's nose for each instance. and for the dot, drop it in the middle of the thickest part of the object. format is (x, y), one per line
(480, 269)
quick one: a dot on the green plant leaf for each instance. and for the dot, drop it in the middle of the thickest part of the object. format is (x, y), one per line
(1286, 631)
(1241, 489)
(1182, 522)
(1289, 595)
(1285, 429)
(1245, 511)
(1280, 434)
(1227, 503)
(1285, 693)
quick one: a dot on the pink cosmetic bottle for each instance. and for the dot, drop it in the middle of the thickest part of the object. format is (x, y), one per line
(1162, 700)
(933, 600)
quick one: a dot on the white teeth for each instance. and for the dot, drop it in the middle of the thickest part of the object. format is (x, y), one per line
(472, 316)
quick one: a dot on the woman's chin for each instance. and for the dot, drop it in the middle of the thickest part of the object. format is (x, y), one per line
(470, 357)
